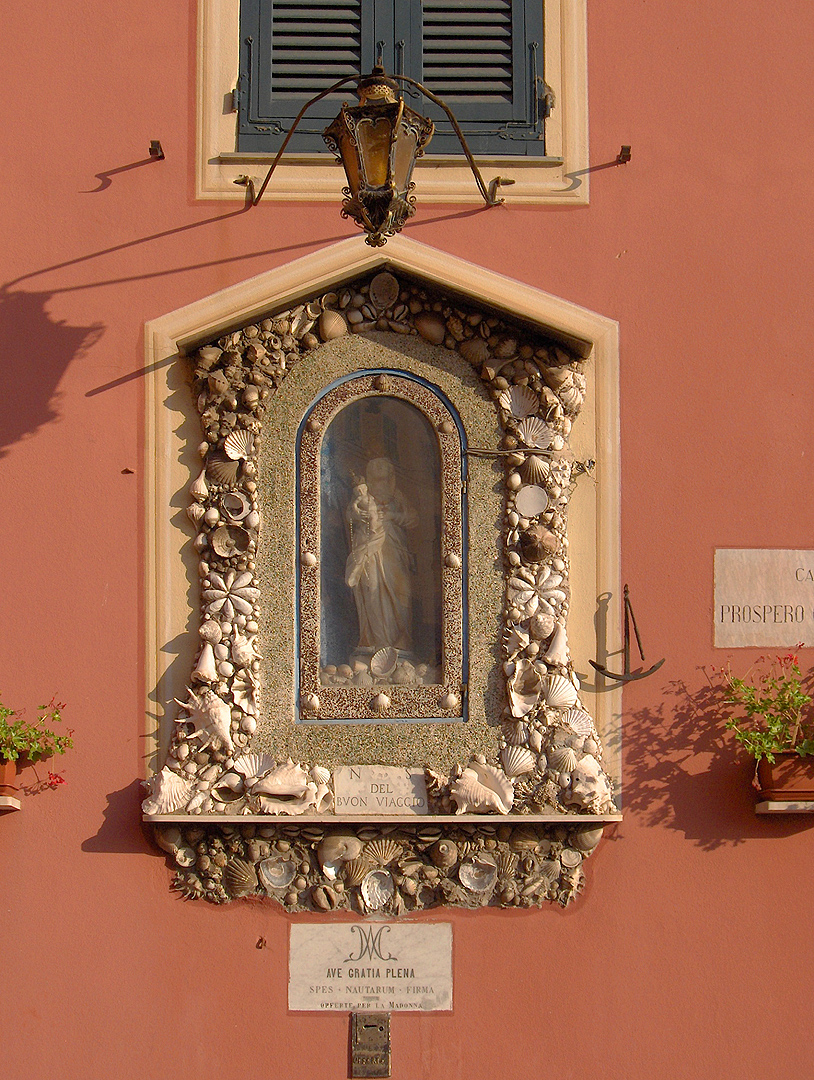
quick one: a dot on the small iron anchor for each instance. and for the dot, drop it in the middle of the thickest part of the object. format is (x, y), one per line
(628, 675)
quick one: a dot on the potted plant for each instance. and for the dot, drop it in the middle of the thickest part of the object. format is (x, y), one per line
(33, 741)
(776, 726)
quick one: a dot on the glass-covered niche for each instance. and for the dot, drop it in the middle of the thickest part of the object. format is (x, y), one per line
(382, 555)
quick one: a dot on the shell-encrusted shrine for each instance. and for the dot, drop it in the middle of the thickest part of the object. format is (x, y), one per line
(240, 821)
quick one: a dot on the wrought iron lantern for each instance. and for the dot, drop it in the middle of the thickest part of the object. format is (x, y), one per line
(377, 142)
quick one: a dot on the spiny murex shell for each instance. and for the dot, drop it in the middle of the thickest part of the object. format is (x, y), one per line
(482, 789)
(211, 718)
(168, 792)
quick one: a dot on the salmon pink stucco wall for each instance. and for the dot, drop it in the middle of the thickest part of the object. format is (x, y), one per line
(701, 249)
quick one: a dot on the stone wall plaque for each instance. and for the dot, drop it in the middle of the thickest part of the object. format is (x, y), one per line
(763, 598)
(380, 789)
(385, 967)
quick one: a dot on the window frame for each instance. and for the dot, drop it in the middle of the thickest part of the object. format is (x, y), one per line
(559, 177)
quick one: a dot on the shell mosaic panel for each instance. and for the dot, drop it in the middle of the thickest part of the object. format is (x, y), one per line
(242, 816)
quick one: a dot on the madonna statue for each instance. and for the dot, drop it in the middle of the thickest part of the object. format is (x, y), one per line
(380, 563)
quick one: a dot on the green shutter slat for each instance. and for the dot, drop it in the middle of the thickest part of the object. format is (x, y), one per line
(477, 55)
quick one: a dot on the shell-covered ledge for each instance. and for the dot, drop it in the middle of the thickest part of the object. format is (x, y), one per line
(239, 810)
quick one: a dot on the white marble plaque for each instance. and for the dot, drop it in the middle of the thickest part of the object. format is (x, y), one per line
(379, 789)
(763, 598)
(381, 967)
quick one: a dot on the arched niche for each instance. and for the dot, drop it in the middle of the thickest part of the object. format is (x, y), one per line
(382, 552)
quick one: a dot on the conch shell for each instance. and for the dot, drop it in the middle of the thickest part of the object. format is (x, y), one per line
(168, 792)
(482, 789)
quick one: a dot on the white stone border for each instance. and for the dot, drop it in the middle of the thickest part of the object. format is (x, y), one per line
(170, 452)
(315, 177)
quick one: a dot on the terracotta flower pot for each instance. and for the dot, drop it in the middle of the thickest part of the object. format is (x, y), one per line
(8, 785)
(790, 779)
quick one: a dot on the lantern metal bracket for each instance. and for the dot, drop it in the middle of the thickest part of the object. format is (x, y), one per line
(489, 194)
(628, 675)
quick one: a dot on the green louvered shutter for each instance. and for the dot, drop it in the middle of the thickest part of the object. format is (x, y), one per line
(481, 57)
(484, 59)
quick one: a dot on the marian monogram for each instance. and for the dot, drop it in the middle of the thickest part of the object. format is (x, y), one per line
(369, 944)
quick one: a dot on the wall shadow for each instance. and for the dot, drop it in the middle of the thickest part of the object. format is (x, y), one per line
(121, 831)
(35, 353)
(683, 771)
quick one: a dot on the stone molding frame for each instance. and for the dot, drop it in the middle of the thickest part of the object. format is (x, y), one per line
(583, 334)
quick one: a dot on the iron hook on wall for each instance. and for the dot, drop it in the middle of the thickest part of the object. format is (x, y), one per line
(628, 675)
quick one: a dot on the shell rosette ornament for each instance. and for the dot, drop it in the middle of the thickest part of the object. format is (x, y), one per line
(230, 593)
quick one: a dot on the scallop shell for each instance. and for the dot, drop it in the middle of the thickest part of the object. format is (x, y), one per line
(235, 505)
(230, 540)
(168, 792)
(377, 889)
(482, 789)
(506, 863)
(240, 877)
(517, 760)
(516, 733)
(524, 688)
(253, 766)
(475, 350)
(383, 662)
(534, 469)
(382, 852)
(520, 401)
(531, 500)
(384, 290)
(240, 444)
(380, 704)
(559, 692)
(320, 775)
(563, 758)
(276, 873)
(535, 432)
(578, 721)
(478, 874)
(550, 870)
(222, 469)
(431, 327)
(354, 871)
(506, 348)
